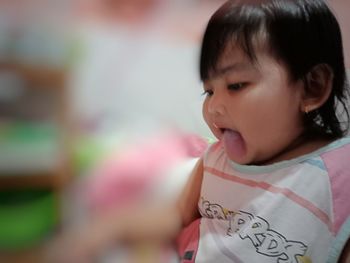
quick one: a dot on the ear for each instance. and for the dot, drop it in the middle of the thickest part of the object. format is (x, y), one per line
(317, 88)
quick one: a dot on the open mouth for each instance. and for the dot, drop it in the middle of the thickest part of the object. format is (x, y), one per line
(223, 130)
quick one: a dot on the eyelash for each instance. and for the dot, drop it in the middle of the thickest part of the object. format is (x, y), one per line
(208, 93)
(236, 86)
(231, 87)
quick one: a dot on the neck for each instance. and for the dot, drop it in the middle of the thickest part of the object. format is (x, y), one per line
(302, 145)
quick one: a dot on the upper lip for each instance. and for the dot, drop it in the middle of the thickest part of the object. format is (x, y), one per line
(221, 127)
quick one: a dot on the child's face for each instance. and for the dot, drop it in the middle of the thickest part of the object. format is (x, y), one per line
(253, 108)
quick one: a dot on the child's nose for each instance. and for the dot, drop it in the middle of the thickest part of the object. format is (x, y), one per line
(216, 105)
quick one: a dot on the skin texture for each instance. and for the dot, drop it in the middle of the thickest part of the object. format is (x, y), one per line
(256, 100)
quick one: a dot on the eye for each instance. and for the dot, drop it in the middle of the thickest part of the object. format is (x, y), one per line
(208, 93)
(235, 86)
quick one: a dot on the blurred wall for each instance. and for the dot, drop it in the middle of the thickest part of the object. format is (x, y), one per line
(135, 62)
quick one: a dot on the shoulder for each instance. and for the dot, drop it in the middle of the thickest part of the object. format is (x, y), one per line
(337, 163)
(337, 153)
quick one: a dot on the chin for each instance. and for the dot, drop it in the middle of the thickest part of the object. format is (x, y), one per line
(243, 160)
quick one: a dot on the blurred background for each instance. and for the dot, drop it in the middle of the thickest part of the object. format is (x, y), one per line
(82, 80)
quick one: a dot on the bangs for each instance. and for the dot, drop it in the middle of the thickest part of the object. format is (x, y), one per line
(237, 26)
(299, 34)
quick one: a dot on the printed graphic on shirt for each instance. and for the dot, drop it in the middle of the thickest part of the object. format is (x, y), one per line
(266, 241)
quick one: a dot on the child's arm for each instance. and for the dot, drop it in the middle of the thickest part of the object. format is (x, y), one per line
(188, 201)
(143, 222)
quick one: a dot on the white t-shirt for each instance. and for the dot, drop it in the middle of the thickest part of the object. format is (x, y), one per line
(291, 211)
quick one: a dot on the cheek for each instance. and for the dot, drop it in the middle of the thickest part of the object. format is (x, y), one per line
(273, 104)
(270, 114)
(274, 116)
(205, 112)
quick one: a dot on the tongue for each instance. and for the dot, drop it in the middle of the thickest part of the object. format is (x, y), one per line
(234, 144)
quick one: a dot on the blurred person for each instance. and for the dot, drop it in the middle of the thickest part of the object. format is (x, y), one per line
(275, 186)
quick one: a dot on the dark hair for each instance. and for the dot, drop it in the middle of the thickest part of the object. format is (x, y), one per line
(299, 33)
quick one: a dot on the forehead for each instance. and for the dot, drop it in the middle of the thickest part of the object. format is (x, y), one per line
(233, 58)
(233, 54)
